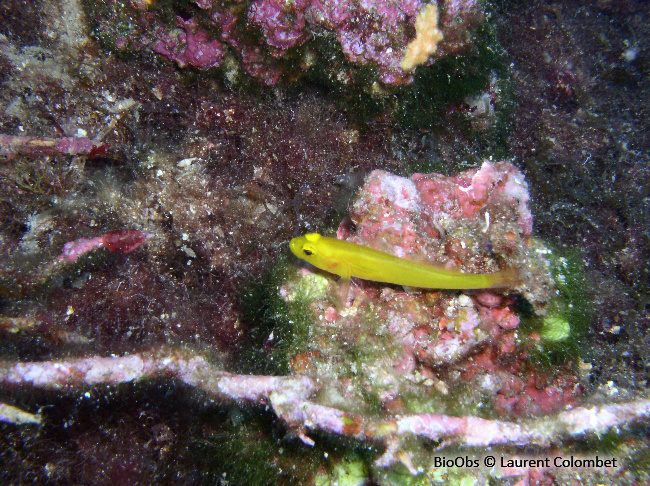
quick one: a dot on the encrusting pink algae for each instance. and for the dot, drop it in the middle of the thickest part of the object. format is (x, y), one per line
(398, 344)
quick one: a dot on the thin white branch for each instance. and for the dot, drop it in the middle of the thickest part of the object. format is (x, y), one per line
(290, 398)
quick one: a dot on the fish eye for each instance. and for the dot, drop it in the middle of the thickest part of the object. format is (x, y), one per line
(308, 252)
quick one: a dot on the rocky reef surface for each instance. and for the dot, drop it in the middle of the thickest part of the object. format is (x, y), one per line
(156, 157)
(381, 345)
(273, 39)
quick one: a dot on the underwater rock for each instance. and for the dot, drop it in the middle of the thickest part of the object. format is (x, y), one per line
(386, 345)
(274, 39)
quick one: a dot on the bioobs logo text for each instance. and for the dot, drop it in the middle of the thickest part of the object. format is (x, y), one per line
(460, 461)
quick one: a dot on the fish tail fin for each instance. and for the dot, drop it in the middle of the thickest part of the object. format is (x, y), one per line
(508, 278)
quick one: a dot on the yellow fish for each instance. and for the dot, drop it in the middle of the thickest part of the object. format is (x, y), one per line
(351, 260)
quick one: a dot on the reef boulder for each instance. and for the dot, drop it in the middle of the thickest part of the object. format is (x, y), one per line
(380, 344)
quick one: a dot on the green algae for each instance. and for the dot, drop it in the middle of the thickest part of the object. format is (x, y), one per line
(566, 322)
(345, 473)
(247, 447)
(275, 328)
(555, 329)
(440, 92)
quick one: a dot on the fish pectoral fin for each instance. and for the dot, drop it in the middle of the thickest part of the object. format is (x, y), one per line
(345, 293)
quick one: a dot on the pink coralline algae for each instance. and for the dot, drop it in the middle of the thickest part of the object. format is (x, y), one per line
(272, 39)
(282, 23)
(191, 47)
(516, 393)
(295, 400)
(392, 342)
(370, 33)
(471, 221)
(11, 145)
(117, 241)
